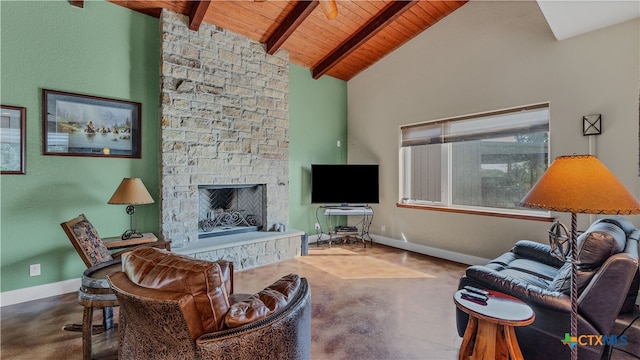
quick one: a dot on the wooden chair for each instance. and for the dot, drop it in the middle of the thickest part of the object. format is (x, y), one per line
(95, 291)
(89, 244)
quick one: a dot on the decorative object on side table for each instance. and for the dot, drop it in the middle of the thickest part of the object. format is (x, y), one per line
(131, 192)
(116, 242)
(580, 184)
(83, 125)
(12, 139)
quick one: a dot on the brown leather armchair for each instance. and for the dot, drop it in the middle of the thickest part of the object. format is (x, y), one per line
(176, 307)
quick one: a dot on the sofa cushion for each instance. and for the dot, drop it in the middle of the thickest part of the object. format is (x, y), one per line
(598, 243)
(619, 221)
(527, 271)
(525, 262)
(562, 281)
(158, 269)
(536, 252)
(264, 303)
(137, 264)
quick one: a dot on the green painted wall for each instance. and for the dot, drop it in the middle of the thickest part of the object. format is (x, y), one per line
(103, 50)
(107, 50)
(317, 120)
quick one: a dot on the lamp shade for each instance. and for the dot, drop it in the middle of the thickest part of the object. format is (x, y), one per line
(131, 192)
(581, 184)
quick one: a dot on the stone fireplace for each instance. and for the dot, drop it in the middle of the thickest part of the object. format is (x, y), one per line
(225, 120)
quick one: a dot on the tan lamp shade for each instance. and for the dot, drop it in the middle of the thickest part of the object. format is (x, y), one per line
(131, 192)
(581, 184)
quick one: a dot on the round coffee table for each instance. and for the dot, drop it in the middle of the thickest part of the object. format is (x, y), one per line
(491, 325)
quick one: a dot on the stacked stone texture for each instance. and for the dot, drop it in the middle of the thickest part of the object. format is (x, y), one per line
(255, 254)
(225, 120)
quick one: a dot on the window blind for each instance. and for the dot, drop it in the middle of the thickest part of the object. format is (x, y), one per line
(529, 119)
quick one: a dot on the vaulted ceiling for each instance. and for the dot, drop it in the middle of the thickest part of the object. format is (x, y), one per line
(362, 33)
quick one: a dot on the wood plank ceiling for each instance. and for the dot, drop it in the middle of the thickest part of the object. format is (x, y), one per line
(362, 33)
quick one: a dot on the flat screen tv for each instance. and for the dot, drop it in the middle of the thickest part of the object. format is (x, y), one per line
(344, 184)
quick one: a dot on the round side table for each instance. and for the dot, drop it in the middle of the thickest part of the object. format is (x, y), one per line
(492, 324)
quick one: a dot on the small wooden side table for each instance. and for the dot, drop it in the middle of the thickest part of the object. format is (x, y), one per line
(492, 326)
(117, 243)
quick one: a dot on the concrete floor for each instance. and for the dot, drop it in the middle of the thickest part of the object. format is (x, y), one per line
(373, 303)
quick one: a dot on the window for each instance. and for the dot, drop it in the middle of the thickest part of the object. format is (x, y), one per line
(485, 161)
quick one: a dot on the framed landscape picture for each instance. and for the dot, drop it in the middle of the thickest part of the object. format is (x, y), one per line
(13, 137)
(83, 125)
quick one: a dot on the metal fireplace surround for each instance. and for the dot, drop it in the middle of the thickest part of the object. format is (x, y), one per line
(230, 209)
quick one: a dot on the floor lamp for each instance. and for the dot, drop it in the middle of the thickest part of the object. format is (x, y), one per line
(580, 184)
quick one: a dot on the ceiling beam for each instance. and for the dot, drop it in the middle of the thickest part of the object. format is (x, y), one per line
(299, 13)
(198, 10)
(392, 11)
(78, 3)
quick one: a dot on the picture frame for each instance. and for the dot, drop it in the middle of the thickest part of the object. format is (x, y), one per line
(85, 125)
(13, 139)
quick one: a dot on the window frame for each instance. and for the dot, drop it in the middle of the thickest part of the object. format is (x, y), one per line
(445, 203)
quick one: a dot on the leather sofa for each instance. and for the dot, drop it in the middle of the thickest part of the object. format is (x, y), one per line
(607, 263)
(176, 307)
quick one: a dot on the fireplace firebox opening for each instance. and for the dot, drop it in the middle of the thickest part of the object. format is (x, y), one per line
(230, 209)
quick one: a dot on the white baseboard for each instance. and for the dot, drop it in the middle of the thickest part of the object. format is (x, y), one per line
(38, 292)
(431, 251)
(312, 239)
(422, 249)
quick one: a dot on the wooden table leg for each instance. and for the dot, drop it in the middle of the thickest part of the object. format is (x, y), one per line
(502, 351)
(107, 316)
(512, 343)
(87, 327)
(469, 334)
(485, 346)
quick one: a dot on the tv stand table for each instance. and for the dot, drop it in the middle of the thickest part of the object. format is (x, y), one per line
(337, 234)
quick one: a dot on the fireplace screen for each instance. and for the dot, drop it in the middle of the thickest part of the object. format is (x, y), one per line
(228, 209)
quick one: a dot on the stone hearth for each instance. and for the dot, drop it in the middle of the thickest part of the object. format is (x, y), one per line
(247, 250)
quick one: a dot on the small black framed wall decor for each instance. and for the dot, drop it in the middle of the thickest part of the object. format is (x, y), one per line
(592, 125)
(84, 125)
(13, 136)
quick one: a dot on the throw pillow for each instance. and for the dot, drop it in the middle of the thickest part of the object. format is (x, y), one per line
(598, 243)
